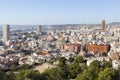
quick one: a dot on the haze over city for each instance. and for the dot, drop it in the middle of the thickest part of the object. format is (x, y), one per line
(45, 12)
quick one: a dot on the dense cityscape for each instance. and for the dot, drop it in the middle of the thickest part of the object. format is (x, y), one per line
(82, 52)
(59, 40)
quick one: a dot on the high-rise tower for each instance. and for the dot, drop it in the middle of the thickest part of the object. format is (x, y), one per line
(6, 33)
(39, 29)
(103, 25)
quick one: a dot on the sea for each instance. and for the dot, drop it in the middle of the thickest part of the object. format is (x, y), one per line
(33, 27)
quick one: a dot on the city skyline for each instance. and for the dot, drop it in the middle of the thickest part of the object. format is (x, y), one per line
(59, 40)
(44, 12)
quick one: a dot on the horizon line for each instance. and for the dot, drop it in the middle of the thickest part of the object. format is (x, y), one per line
(60, 24)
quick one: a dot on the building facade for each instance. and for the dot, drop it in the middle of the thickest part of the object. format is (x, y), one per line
(103, 25)
(39, 29)
(71, 47)
(97, 48)
(6, 33)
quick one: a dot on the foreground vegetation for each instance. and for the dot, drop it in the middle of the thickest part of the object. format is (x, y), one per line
(65, 70)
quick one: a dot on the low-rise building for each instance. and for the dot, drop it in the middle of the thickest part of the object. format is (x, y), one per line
(97, 48)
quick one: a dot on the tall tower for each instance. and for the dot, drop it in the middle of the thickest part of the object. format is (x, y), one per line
(39, 29)
(103, 25)
(6, 33)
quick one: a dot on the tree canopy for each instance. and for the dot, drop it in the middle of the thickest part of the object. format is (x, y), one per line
(65, 70)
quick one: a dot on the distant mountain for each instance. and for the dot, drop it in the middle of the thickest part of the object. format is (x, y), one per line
(115, 23)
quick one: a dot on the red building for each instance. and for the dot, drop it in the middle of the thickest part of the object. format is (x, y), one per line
(71, 47)
(103, 25)
(97, 48)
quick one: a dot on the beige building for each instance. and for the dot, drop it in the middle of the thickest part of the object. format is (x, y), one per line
(6, 33)
(39, 29)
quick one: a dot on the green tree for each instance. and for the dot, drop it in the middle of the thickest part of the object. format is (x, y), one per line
(3, 76)
(104, 54)
(79, 59)
(62, 61)
(90, 73)
(56, 73)
(106, 64)
(34, 75)
(74, 70)
(107, 74)
(28, 75)
(82, 77)
(71, 59)
(95, 63)
(20, 76)
(10, 75)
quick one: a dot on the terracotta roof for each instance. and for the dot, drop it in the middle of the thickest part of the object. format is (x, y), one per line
(43, 53)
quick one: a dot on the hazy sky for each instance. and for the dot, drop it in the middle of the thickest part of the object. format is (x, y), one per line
(58, 11)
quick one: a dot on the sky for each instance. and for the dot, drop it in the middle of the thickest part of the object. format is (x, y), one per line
(49, 12)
